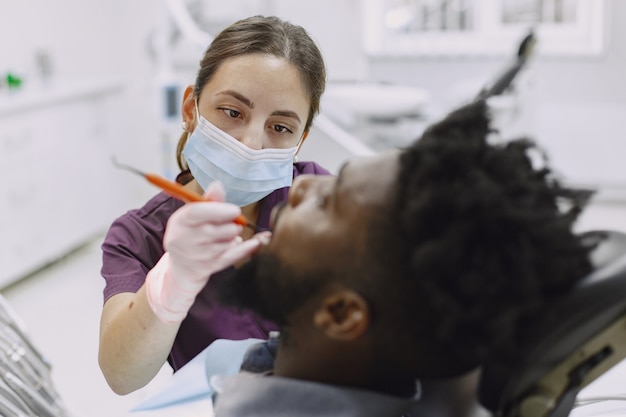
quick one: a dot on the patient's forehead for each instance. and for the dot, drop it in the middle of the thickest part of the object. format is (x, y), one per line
(371, 179)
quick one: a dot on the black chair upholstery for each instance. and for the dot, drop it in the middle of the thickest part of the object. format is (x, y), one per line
(579, 338)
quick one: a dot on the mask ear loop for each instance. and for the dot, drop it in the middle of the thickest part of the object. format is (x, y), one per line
(299, 145)
(195, 102)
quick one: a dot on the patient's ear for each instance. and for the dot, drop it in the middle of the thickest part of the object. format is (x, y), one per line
(343, 315)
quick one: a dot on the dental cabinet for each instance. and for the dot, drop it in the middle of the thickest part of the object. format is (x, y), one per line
(55, 192)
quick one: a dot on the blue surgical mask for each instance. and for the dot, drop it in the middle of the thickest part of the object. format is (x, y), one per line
(247, 174)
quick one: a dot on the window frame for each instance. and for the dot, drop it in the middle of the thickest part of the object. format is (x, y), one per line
(585, 36)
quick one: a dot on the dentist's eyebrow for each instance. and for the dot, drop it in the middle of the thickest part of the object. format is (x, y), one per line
(245, 100)
(287, 113)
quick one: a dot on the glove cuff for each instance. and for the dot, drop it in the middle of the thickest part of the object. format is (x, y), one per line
(169, 302)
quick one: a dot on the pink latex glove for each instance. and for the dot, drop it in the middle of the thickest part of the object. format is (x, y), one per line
(200, 239)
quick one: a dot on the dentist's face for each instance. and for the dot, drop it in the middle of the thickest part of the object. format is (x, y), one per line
(259, 99)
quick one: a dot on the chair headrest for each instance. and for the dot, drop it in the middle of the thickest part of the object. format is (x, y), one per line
(563, 338)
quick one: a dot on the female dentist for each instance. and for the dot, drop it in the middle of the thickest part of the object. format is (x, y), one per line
(256, 94)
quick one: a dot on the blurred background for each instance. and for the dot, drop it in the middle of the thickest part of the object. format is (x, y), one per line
(82, 81)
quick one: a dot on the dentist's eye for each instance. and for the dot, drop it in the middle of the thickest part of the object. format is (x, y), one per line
(231, 113)
(282, 129)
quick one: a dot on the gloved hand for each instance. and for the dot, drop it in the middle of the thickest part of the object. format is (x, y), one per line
(200, 239)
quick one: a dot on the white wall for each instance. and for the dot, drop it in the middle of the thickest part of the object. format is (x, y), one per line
(336, 27)
(90, 39)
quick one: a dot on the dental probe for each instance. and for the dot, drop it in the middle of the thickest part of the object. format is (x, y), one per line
(178, 191)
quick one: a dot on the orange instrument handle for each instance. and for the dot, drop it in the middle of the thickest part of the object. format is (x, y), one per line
(179, 191)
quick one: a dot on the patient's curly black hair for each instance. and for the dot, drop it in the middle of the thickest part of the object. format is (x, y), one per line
(481, 238)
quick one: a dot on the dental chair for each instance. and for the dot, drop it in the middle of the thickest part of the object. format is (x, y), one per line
(576, 340)
(26, 387)
(579, 338)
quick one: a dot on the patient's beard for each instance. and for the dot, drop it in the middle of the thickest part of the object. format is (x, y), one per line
(265, 286)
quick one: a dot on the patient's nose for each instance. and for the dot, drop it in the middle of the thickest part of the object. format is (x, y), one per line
(300, 187)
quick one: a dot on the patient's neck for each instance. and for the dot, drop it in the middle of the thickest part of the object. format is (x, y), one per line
(344, 366)
(450, 397)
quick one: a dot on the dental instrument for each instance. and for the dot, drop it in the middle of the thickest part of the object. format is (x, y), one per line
(178, 191)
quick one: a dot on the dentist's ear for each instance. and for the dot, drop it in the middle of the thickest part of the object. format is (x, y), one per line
(188, 108)
(343, 315)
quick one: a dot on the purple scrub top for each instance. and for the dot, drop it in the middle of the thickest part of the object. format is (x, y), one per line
(134, 244)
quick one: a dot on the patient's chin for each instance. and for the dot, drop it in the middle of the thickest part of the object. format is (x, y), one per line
(241, 289)
(269, 288)
(255, 286)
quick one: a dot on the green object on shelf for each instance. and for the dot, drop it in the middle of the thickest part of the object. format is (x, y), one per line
(13, 81)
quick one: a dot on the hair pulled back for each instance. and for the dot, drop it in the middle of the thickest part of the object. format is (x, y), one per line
(264, 35)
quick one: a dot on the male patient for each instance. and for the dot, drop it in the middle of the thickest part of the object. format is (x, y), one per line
(408, 265)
